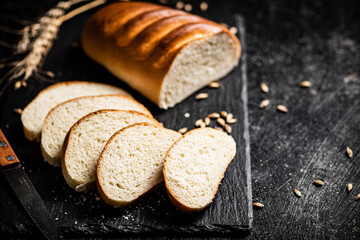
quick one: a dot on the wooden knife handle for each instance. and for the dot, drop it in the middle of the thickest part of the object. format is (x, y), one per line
(7, 155)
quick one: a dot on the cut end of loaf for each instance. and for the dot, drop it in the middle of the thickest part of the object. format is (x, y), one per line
(195, 165)
(198, 64)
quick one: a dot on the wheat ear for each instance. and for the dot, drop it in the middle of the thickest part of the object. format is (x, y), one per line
(36, 41)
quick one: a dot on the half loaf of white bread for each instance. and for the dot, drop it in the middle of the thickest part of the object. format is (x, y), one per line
(62, 117)
(165, 54)
(195, 165)
(86, 140)
(132, 161)
(34, 113)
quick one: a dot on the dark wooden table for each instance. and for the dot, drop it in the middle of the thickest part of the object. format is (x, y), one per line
(289, 42)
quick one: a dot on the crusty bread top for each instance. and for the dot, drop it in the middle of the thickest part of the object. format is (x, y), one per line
(132, 161)
(195, 165)
(34, 113)
(62, 117)
(147, 29)
(87, 138)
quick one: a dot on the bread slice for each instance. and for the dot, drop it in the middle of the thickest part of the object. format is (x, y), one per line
(87, 138)
(61, 118)
(34, 113)
(132, 161)
(163, 53)
(195, 165)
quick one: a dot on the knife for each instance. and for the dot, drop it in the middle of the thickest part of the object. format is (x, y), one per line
(25, 191)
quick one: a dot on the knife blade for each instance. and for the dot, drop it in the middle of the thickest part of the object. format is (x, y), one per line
(25, 191)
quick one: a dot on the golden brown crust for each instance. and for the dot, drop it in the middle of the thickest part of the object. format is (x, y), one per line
(174, 200)
(138, 41)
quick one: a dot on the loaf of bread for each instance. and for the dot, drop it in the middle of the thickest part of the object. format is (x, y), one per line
(34, 113)
(195, 165)
(62, 117)
(132, 161)
(87, 138)
(163, 53)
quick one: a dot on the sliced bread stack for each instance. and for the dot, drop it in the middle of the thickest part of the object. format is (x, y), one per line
(33, 115)
(86, 140)
(113, 141)
(62, 117)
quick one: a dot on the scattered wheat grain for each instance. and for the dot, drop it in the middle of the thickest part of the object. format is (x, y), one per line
(305, 84)
(227, 128)
(357, 197)
(198, 122)
(221, 121)
(202, 96)
(318, 183)
(231, 121)
(282, 108)
(349, 152)
(214, 115)
(257, 204)
(264, 103)
(18, 110)
(223, 114)
(264, 87)
(214, 85)
(207, 121)
(183, 130)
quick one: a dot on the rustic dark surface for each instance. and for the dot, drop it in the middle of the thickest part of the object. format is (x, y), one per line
(80, 214)
(290, 42)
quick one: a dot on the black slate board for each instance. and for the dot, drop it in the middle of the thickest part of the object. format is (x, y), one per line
(79, 214)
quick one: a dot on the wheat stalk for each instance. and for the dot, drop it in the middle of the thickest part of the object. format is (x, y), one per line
(36, 41)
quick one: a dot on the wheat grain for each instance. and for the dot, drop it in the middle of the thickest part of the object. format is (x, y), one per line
(297, 192)
(282, 108)
(305, 84)
(183, 130)
(264, 87)
(257, 204)
(214, 85)
(227, 128)
(201, 96)
(318, 183)
(198, 122)
(223, 114)
(349, 152)
(229, 117)
(18, 110)
(221, 121)
(264, 103)
(349, 187)
(214, 115)
(231, 121)
(207, 121)
(357, 197)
